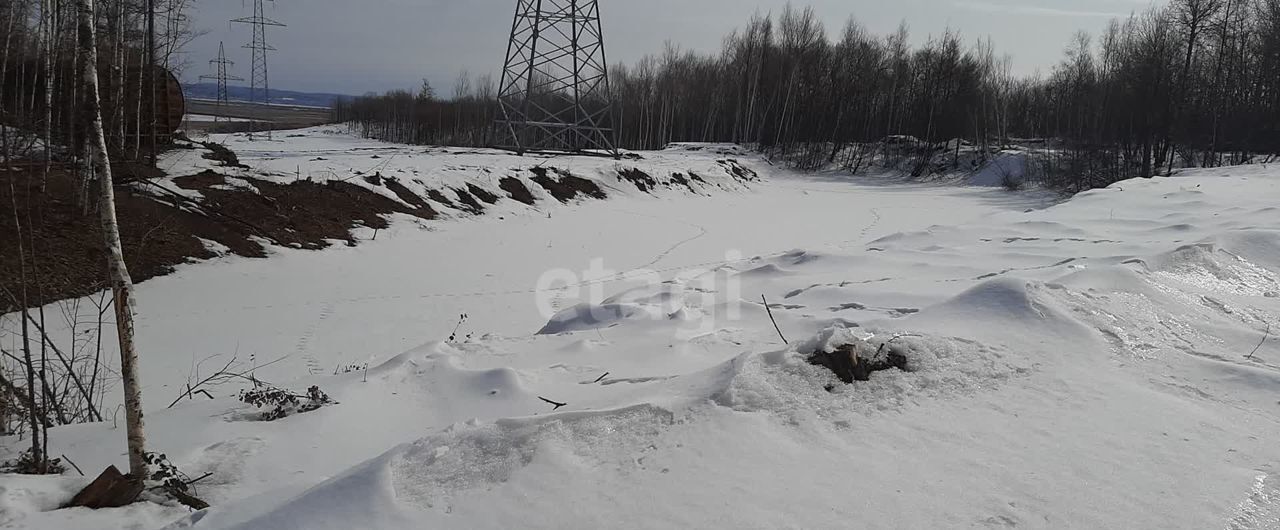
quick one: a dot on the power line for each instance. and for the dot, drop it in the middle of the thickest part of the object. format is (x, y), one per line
(259, 84)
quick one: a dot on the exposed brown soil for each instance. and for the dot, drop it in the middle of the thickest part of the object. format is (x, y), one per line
(468, 201)
(640, 179)
(482, 193)
(220, 153)
(129, 171)
(63, 246)
(516, 190)
(738, 171)
(435, 195)
(567, 187)
(408, 196)
(305, 214)
(61, 242)
(678, 178)
(201, 180)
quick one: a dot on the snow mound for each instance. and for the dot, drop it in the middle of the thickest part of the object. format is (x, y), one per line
(1013, 309)
(1211, 266)
(785, 383)
(431, 471)
(1011, 165)
(434, 376)
(362, 497)
(1205, 300)
(594, 316)
(766, 271)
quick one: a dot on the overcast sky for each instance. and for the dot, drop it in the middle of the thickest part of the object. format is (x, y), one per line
(353, 47)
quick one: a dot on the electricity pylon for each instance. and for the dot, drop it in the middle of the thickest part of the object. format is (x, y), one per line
(220, 75)
(258, 83)
(554, 94)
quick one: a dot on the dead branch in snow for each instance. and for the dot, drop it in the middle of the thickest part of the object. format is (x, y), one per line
(223, 375)
(1265, 336)
(775, 322)
(556, 403)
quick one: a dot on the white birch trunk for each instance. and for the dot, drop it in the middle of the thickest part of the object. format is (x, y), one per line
(122, 285)
(46, 27)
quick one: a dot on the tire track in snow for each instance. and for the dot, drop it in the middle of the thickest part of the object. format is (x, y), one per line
(663, 255)
(702, 232)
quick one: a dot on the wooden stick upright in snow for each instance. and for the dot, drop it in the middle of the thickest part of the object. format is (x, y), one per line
(121, 283)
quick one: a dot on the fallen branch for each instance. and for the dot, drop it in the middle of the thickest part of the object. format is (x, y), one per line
(199, 478)
(557, 404)
(73, 464)
(220, 377)
(1265, 336)
(775, 322)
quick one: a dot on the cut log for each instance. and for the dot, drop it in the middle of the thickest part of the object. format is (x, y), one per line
(111, 489)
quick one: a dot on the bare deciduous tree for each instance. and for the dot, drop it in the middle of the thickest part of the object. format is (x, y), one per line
(122, 284)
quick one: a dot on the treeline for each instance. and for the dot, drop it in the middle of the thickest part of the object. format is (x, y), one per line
(41, 81)
(73, 79)
(1196, 83)
(425, 118)
(1193, 83)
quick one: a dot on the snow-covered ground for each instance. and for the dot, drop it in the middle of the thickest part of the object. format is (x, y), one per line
(1077, 364)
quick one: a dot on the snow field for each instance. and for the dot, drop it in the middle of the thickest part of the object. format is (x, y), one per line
(1075, 364)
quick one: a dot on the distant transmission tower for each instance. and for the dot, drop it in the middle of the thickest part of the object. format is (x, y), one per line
(258, 84)
(220, 75)
(554, 95)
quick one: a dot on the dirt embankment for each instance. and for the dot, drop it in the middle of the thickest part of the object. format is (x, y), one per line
(55, 249)
(51, 244)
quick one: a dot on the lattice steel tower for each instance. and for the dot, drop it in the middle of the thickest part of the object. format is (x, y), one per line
(554, 94)
(220, 75)
(258, 83)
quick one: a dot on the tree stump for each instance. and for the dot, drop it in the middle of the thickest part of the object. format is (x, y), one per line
(855, 361)
(111, 489)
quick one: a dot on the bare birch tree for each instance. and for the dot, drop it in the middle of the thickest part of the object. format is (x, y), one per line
(121, 283)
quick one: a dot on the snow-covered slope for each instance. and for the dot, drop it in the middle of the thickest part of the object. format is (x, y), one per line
(456, 181)
(1080, 364)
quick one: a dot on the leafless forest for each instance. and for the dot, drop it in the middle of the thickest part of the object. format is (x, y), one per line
(73, 107)
(1194, 83)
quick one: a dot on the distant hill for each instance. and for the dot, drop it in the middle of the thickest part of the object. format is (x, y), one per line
(278, 97)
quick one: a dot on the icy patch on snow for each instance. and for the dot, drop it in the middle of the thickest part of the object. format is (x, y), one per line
(1207, 267)
(1261, 510)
